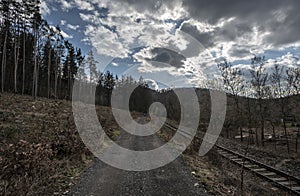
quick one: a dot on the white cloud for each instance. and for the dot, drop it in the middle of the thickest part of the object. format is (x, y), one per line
(65, 35)
(106, 42)
(114, 64)
(145, 24)
(84, 5)
(152, 84)
(45, 10)
(73, 27)
(63, 22)
(289, 60)
(66, 5)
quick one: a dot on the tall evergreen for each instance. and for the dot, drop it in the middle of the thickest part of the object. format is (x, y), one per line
(36, 59)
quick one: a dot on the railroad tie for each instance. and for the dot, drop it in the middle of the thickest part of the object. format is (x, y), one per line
(250, 166)
(296, 188)
(269, 174)
(287, 183)
(279, 179)
(236, 160)
(224, 153)
(259, 170)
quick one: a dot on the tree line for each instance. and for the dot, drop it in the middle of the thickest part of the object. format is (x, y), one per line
(36, 59)
(263, 87)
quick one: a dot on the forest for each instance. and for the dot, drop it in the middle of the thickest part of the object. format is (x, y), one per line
(37, 60)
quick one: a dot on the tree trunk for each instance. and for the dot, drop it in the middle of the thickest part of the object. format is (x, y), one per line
(69, 83)
(49, 74)
(262, 123)
(35, 66)
(298, 133)
(4, 62)
(286, 136)
(249, 114)
(16, 51)
(238, 113)
(24, 61)
(262, 133)
(56, 77)
(256, 136)
(274, 134)
(37, 77)
(60, 86)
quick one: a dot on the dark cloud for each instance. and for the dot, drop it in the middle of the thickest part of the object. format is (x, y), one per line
(206, 39)
(150, 6)
(286, 32)
(229, 32)
(167, 58)
(233, 30)
(248, 14)
(212, 11)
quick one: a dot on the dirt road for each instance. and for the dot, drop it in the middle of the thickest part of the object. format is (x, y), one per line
(172, 179)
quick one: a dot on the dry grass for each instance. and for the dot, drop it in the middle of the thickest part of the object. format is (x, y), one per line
(41, 152)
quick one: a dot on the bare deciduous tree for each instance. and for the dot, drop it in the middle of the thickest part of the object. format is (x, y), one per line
(258, 81)
(234, 84)
(277, 78)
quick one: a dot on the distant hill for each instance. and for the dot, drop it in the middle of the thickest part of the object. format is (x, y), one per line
(142, 99)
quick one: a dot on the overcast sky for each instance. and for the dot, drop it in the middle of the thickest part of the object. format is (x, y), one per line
(178, 42)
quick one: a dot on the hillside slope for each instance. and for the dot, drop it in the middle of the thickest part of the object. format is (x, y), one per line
(41, 152)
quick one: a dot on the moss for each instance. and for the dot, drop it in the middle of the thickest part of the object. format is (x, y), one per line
(117, 134)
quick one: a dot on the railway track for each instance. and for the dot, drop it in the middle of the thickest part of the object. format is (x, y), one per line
(278, 178)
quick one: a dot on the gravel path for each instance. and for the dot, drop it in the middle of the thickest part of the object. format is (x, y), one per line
(172, 179)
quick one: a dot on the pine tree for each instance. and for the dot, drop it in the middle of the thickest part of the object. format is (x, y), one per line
(70, 68)
(92, 66)
(59, 50)
(5, 7)
(109, 84)
(16, 12)
(36, 24)
(81, 76)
